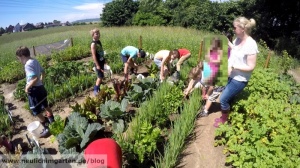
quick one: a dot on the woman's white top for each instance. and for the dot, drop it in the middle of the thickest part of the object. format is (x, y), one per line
(238, 56)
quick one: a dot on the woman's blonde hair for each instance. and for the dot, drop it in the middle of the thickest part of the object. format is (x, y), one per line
(94, 31)
(244, 23)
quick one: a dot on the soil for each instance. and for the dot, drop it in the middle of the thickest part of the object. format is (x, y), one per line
(295, 73)
(200, 151)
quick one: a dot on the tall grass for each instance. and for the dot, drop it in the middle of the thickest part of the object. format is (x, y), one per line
(113, 39)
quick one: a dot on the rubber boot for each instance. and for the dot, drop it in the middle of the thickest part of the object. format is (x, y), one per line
(96, 90)
(223, 111)
(221, 120)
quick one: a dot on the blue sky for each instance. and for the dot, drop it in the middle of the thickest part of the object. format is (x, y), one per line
(34, 11)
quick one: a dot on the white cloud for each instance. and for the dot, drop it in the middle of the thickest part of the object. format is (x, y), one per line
(90, 6)
(85, 11)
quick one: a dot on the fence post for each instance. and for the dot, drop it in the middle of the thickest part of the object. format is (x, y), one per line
(71, 42)
(140, 43)
(33, 48)
(268, 59)
(200, 51)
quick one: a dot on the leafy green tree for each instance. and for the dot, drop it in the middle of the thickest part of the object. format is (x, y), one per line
(119, 12)
(151, 13)
(2, 30)
(277, 23)
(148, 19)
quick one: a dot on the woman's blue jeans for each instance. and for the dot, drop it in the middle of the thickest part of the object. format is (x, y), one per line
(232, 88)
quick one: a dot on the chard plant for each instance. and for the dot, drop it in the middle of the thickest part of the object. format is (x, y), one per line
(121, 88)
(91, 107)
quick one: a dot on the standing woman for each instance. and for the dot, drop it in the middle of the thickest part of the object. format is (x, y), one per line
(241, 63)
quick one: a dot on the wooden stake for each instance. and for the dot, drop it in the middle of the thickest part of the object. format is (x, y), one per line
(140, 43)
(71, 42)
(200, 51)
(33, 48)
(268, 59)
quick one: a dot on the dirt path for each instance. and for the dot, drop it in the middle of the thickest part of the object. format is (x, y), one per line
(200, 151)
(295, 73)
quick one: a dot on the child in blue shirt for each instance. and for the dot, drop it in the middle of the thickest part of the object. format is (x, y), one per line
(128, 56)
(37, 94)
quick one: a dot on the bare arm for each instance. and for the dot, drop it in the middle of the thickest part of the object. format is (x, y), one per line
(209, 91)
(190, 87)
(42, 76)
(31, 83)
(126, 64)
(162, 67)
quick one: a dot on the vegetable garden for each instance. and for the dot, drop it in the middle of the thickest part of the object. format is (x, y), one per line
(151, 120)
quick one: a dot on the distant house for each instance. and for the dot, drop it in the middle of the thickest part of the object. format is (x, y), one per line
(39, 25)
(66, 24)
(17, 28)
(10, 29)
(52, 25)
(27, 27)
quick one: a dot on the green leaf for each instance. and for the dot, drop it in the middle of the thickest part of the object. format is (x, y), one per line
(118, 127)
(90, 132)
(72, 142)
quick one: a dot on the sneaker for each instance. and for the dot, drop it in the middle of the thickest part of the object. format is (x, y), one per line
(45, 133)
(46, 122)
(202, 113)
(51, 119)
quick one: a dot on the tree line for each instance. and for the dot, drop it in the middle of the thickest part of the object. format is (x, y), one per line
(278, 22)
